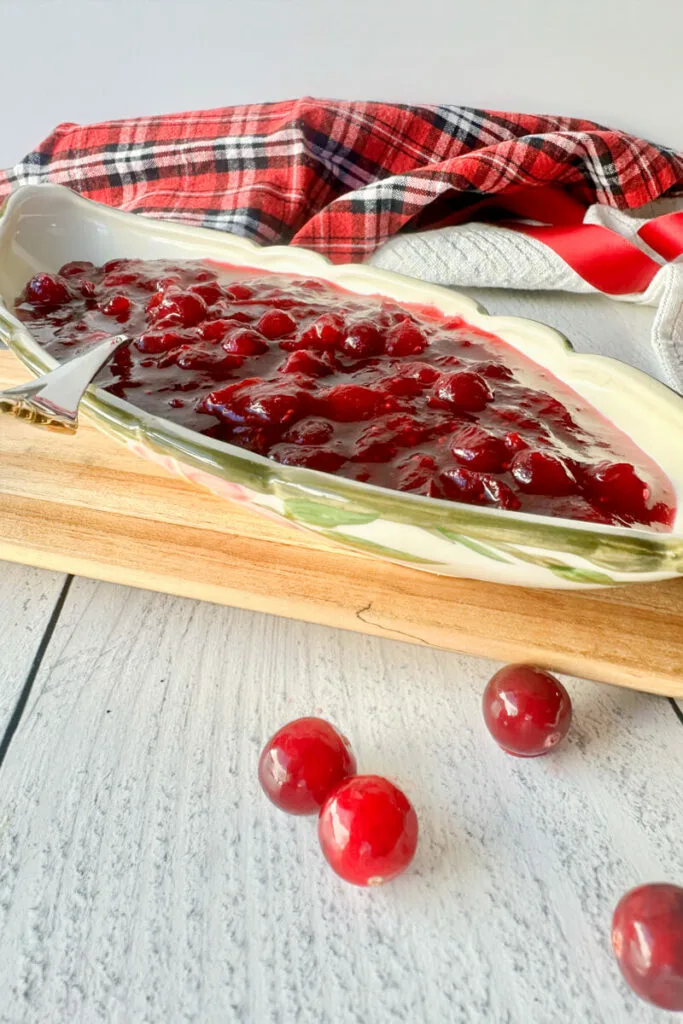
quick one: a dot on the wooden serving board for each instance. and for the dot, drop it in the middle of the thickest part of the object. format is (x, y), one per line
(88, 506)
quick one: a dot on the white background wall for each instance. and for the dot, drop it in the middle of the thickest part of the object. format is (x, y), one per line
(616, 61)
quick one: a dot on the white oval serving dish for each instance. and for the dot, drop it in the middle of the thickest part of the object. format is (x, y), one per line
(44, 226)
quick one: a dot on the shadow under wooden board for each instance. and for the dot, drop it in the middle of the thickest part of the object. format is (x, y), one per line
(88, 506)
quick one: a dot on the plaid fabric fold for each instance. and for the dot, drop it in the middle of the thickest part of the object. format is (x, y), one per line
(342, 177)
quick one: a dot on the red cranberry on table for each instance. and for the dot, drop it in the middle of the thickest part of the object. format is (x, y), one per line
(647, 936)
(302, 763)
(526, 710)
(368, 830)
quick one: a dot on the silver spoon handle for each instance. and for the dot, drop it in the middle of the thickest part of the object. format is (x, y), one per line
(52, 400)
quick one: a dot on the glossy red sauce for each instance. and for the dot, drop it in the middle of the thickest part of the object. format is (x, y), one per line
(310, 375)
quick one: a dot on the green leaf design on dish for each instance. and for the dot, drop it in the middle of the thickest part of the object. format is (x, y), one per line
(569, 572)
(378, 549)
(224, 465)
(620, 553)
(316, 513)
(473, 545)
(565, 572)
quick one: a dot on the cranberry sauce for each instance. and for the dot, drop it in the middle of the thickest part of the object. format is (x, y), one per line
(310, 375)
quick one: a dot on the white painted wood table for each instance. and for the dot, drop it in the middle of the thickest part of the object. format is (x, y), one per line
(144, 877)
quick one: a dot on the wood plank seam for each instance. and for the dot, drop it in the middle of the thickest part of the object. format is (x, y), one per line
(34, 668)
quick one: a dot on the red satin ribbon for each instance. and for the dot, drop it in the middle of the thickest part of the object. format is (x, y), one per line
(545, 205)
(665, 235)
(603, 258)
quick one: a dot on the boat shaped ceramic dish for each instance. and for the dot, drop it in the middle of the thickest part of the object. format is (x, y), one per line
(44, 226)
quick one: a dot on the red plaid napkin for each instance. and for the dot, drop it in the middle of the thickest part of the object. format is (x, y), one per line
(341, 177)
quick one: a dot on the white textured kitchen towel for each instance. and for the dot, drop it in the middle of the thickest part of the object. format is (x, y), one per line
(483, 255)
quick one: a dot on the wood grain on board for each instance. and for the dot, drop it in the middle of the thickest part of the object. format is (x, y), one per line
(86, 505)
